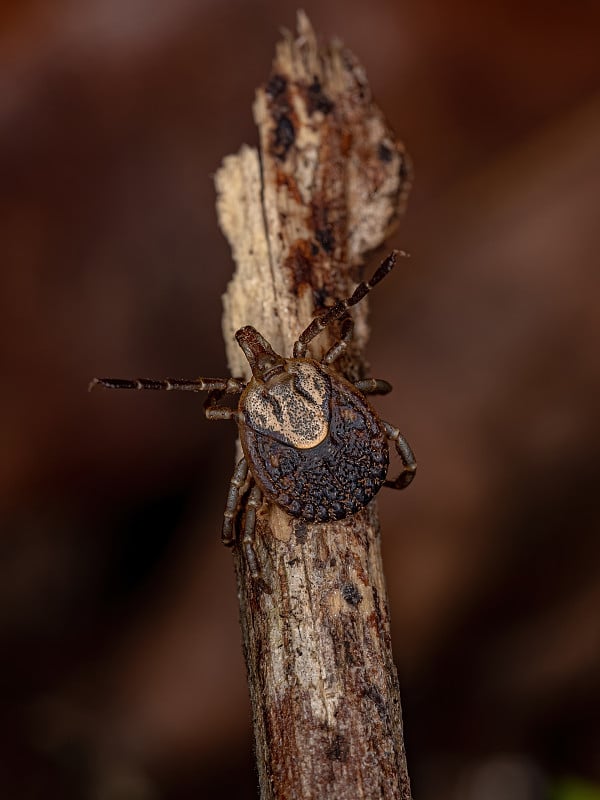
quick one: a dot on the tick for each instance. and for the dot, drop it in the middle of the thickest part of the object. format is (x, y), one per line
(312, 444)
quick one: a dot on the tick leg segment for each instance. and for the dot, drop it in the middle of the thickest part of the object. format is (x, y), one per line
(224, 385)
(236, 489)
(341, 307)
(254, 501)
(373, 386)
(340, 347)
(409, 464)
(212, 409)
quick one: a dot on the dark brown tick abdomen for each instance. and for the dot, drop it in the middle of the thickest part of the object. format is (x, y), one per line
(332, 480)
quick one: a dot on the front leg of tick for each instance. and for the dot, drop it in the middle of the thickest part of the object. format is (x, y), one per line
(409, 464)
(340, 346)
(212, 409)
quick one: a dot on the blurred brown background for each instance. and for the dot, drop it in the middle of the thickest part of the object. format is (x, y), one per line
(121, 676)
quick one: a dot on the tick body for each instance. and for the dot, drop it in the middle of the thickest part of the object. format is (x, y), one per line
(312, 444)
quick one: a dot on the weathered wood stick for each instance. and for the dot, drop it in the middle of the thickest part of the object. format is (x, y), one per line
(326, 186)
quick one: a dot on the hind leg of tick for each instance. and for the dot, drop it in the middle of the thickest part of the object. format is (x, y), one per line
(238, 486)
(409, 464)
(254, 502)
(373, 386)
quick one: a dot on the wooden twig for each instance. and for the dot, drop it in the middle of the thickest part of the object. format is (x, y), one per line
(326, 186)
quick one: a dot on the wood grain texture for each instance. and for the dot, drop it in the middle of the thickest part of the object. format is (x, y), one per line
(327, 186)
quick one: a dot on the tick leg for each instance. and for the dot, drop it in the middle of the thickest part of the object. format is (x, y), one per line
(212, 409)
(342, 345)
(341, 307)
(224, 385)
(236, 486)
(409, 465)
(373, 386)
(254, 501)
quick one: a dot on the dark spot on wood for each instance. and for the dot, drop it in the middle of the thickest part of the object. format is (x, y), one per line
(373, 694)
(300, 263)
(376, 602)
(284, 137)
(384, 152)
(301, 532)
(285, 122)
(264, 587)
(326, 239)
(351, 594)
(338, 750)
(317, 100)
(328, 227)
(291, 185)
(277, 85)
(320, 297)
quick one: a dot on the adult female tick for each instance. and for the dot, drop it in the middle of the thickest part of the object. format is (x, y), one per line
(311, 442)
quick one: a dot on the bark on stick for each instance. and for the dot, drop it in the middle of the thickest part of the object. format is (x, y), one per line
(325, 187)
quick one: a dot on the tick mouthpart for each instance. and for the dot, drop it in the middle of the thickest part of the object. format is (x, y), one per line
(264, 362)
(271, 372)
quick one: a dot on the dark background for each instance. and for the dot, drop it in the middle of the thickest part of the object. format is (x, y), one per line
(121, 676)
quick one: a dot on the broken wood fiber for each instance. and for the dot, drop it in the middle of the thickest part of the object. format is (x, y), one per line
(326, 186)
